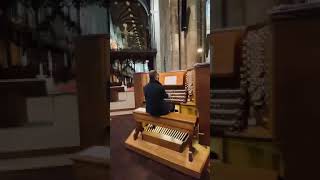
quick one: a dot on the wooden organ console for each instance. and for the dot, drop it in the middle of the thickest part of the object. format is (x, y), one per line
(185, 137)
(174, 84)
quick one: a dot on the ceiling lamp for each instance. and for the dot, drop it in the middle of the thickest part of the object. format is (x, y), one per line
(116, 2)
(131, 15)
(129, 9)
(127, 3)
(134, 25)
(132, 21)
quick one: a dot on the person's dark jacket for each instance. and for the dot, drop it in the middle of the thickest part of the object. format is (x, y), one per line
(154, 94)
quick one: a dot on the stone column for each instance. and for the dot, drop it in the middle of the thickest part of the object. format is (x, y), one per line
(174, 21)
(192, 42)
(164, 39)
(156, 33)
(183, 50)
(169, 30)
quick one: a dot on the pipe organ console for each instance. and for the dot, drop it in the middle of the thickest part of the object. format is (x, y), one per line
(177, 96)
(176, 131)
(174, 84)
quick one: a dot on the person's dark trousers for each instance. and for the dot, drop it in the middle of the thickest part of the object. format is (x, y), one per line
(170, 106)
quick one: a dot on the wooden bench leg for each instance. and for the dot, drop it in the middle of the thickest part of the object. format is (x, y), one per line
(138, 129)
(191, 148)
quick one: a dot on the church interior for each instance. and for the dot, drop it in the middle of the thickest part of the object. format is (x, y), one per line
(171, 38)
(73, 72)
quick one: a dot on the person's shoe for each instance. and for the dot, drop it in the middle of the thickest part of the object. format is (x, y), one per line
(152, 126)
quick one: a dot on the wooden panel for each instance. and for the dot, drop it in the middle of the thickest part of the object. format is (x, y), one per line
(224, 44)
(179, 74)
(296, 88)
(202, 100)
(3, 53)
(188, 108)
(15, 54)
(91, 73)
(175, 160)
(140, 80)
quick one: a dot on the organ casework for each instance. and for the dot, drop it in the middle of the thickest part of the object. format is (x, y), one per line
(180, 139)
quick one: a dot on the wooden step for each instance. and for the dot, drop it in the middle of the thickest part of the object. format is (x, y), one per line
(220, 122)
(227, 101)
(173, 159)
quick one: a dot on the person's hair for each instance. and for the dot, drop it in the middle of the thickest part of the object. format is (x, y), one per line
(153, 74)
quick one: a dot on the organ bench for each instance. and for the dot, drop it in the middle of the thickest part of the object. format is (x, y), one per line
(176, 129)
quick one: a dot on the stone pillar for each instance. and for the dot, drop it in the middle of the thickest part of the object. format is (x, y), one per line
(156, 33)
(174, 27)
(183, 50)
(203, 29)
(179, 50)
(192, 42)
(169, 37)
(163, 29)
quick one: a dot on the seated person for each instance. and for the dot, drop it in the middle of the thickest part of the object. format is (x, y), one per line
(155, 94)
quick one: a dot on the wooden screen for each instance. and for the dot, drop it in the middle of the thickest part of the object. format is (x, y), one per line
(202, 100)
(140, 80)
(224, 47)
(92, 71)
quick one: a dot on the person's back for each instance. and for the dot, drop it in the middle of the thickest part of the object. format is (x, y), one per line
(155, 94)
